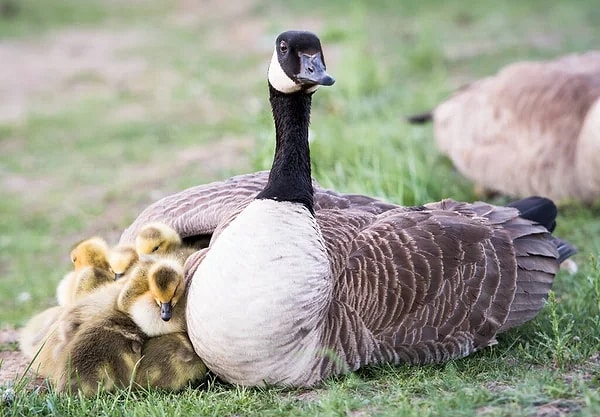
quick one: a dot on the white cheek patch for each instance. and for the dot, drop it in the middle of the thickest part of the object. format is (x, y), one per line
(279, 79)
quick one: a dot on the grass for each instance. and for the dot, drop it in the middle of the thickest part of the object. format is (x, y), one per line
(77, 164)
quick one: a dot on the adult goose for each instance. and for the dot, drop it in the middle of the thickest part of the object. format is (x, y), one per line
(297, 286)
(533, 128)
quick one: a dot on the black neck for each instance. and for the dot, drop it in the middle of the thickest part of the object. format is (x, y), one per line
(290, 177)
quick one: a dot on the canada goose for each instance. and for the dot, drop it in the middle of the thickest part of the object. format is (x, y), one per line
(533, 128)
(103, 354)
(153, 296)
(121, 259)
(169, 362)
(400, 284)
(90, 252)
(160, 239)
(289, 295)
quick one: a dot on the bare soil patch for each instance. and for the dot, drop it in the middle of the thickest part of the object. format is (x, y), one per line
(67, 63)
(13, 364)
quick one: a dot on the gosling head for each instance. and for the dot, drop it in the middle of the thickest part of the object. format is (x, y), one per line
(298, 63)
(157, 238)
(90, 252)
(165, 280)
(121, 259)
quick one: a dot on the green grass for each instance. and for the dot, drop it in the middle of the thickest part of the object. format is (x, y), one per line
(81, 164)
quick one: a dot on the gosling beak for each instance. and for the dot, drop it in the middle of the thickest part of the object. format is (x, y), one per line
(166, 311)
(118, 276)
(312, 70)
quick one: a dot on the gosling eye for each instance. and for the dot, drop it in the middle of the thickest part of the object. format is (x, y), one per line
(157, 247)
(283, 47)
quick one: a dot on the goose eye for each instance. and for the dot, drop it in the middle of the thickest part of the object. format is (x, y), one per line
(283, 47)
(156, 248)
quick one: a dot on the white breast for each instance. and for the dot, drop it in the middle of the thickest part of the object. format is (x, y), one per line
(257, 301)
(146, 314)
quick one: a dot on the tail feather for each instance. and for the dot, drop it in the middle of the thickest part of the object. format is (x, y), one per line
(421, 118)
(537, 255)
(538, 209)
(564, 248)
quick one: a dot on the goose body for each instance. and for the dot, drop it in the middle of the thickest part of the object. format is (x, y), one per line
(250, 293)
(300, 283)
(533, 128)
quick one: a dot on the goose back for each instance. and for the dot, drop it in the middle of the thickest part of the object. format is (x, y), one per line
(196, 212)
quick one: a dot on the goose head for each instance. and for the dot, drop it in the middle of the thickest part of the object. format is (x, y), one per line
(121, 258)
(90, 252)
(165, 282)
(298, 63)
(157, 238)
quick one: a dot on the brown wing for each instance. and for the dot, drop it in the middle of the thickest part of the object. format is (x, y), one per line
(428, 285)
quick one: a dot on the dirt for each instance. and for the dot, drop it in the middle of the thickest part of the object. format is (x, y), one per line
(13, 364)
(67, 63)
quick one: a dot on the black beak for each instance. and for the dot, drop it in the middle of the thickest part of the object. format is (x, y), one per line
(312, 70)
(118, 276)
(166, 311)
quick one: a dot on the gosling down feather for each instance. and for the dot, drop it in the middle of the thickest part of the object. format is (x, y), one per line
(154, 296)
(160, 239)
(301, 283)
(90, 264)
(169, 362)
(533, 128)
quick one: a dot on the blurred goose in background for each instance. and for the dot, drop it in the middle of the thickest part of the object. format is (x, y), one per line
(532, 129)
(300, 283)
(154, 296)
(89, 253)
(170, 363)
